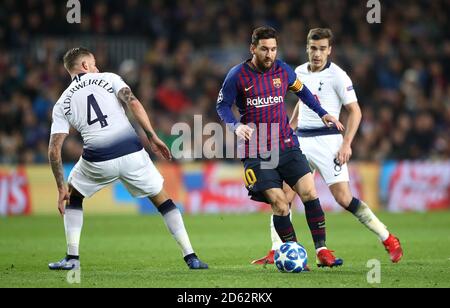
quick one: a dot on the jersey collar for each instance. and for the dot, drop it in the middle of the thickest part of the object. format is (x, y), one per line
(78, 76)
(324, 68)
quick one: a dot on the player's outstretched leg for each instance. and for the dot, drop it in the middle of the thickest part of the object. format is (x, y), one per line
(174, 222)
(281, 215)
(276, 243)
(73, 223)
(365, 215)
(359, 209)
(316, 221)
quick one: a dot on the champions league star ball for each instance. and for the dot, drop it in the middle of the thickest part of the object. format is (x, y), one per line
(291, 257)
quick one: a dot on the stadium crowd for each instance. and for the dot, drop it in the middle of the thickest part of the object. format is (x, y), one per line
(400, 68)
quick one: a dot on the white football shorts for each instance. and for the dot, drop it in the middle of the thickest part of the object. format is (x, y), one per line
(321, 153)
(136, 171)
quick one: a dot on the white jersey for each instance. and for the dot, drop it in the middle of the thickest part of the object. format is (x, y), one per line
(331, 86)
(91, 106)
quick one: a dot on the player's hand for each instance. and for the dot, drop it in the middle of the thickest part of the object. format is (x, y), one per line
(63, 197)
(244, 131)
(344, 154)
(160, 147)
(329, 121)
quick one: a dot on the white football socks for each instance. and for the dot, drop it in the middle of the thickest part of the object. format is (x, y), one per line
(174, 222)
(368, 218)
(73, 223)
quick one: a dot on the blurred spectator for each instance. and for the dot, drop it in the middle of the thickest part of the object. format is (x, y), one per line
(171, 97)
(400, 68)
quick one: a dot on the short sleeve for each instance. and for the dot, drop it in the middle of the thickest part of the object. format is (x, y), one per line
(345, 90)
(117, 83)
(60, 124)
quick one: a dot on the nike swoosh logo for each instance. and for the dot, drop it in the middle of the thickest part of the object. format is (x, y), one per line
(262, 106)
(248, 89)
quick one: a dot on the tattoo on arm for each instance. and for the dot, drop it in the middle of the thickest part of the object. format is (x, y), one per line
(126, 96)
(149, 135)
(54, 156)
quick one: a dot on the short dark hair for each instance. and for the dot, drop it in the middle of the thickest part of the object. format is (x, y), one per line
(319, 34)
(263, 33)
(72, 55)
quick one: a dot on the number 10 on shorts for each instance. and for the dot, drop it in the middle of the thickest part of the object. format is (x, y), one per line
(250, 177)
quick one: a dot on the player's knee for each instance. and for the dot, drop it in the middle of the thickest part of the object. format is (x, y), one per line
(281, 210)
(290, 194)
(280, 205)
(343, 198)
(159, 198)
(308, 194)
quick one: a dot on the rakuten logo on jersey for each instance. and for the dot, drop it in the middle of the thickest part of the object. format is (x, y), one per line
(265, 101)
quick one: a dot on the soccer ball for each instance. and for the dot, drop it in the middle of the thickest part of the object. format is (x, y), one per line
(291, 257)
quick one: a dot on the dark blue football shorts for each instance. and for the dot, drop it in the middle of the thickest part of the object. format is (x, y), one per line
(292, 166)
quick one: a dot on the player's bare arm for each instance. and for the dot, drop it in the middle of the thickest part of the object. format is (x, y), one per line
(54, 156)
(138, 111)
(354, 118)
(127, 96)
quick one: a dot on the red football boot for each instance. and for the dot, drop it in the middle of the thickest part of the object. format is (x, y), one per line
(325, 258)
(393, 247)
(265, 260)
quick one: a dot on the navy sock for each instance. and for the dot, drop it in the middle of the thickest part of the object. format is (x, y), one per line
(354, 206)
(284, 228)
(69, 257)
(75, 203)
(316, 222)
(166, 207)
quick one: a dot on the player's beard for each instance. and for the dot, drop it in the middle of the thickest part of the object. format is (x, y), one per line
(264, 65)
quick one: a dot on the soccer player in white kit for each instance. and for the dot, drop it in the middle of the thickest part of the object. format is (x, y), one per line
(112, 151)
(325, 148)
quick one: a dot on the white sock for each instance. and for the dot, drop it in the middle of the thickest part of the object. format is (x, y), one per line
(368, 218)
(73, 223)
(174, 222)
(276, 240)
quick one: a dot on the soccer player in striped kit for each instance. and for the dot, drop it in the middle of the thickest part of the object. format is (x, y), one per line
(327, 150)
(258, 87)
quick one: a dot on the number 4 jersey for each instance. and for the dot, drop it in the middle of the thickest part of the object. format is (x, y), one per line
(91, 106)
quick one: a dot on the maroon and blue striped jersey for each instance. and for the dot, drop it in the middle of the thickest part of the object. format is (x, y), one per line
(259, 97)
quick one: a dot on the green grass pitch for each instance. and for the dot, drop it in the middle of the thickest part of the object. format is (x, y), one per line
(138, 251)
